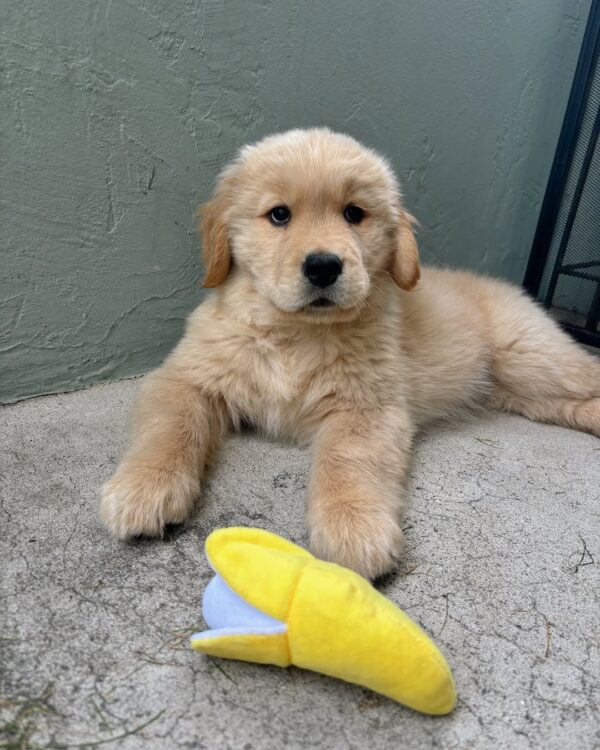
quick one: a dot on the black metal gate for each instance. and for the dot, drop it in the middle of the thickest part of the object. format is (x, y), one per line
(564, 266)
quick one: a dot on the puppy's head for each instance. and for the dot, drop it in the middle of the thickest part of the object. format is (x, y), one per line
(315, 220)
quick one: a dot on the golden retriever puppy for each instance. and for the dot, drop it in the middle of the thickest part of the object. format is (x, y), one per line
(321, 329)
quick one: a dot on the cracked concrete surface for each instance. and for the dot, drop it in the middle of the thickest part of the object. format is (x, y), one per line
(501, 567)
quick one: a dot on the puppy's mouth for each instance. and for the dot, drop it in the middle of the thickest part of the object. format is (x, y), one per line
(321, 302)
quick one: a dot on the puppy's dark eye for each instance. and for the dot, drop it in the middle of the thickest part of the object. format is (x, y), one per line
(353, 214)
(279, 215)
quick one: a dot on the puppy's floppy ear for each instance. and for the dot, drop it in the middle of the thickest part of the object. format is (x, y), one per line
(405, 268)
(216, 251)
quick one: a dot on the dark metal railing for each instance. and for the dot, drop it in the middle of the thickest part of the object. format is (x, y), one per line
(588, 269)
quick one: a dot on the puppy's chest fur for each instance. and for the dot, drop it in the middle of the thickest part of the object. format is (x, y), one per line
(287, 382)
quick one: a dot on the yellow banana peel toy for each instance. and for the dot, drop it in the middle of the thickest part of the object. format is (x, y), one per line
(272, 602)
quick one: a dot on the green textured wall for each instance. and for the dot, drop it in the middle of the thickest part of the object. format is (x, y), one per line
(117, 115)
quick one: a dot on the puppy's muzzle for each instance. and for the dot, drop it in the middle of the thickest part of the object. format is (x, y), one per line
(322, 269)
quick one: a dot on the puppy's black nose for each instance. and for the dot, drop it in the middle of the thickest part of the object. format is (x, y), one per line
(322, 269)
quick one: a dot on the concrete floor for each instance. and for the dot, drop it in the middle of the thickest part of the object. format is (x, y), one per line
(501, 567)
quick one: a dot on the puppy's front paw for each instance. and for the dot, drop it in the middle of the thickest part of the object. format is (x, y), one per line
(140, 501)
(370, 545)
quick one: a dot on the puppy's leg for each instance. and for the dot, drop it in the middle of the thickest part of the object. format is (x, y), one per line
(355, 493)
(175, 429)
(539, 371)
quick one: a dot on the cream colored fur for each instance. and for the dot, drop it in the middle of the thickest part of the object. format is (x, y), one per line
(356, 380)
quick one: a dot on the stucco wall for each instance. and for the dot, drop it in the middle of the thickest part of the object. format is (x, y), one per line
(117, 116)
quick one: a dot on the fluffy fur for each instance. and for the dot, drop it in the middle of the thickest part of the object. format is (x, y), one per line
(356, 379)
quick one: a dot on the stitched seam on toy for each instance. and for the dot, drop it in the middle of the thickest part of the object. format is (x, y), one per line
(287, 614)
(425, 640)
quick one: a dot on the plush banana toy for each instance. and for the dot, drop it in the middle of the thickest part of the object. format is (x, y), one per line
(272, 602)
